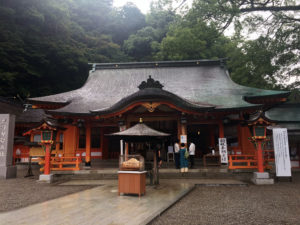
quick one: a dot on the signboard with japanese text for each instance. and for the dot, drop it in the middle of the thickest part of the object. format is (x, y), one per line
(7, 127)
(223, 150)
(281, 150)
(3, 139)
(183, 139)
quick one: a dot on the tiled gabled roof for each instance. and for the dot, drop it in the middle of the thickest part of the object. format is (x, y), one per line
(199, 83)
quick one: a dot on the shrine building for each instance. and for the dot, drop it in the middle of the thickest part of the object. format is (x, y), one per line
(196, 98)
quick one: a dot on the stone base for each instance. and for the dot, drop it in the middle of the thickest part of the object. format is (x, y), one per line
(87, 167)
(262, 178)
(46, 178)
(8, 172)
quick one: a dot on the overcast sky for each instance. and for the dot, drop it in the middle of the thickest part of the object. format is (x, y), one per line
(143, 5)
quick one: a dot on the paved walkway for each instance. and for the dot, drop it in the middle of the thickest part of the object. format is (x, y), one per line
(102, 205)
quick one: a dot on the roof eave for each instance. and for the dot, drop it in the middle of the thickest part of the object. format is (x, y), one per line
(285, 94)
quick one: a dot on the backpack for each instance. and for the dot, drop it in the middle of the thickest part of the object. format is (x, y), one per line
(186, 154)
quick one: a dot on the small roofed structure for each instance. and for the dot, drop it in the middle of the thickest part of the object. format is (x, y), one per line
(141, 132)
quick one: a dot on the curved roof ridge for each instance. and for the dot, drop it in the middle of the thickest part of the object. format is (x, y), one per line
(154, 94)
(252, 95)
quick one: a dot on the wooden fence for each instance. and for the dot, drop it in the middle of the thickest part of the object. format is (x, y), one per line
(250, 161)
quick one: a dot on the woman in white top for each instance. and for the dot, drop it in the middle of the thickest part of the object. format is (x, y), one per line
(192, 149)
(177, 155)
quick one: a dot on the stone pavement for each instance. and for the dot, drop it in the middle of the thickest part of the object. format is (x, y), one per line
(102, 205)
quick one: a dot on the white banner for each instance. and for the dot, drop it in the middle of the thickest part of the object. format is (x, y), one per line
(223, 150)
(281, 150)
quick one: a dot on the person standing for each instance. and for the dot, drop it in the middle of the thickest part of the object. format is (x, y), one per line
(176, 154)
(159, 158)
(192, 154)
(184, 163)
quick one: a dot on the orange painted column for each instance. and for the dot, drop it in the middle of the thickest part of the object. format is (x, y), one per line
(221, 130)
(260, 160)
(240, 137)
(88, 145)
(47, 159)
(126, 143)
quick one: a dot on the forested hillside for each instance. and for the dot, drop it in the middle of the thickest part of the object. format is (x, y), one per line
(45, 46)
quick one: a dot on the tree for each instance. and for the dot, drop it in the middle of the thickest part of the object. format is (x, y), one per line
(193, 41)
(140, 46)
(127, 20)
(145, 43)
(275, 20)
(45, 45)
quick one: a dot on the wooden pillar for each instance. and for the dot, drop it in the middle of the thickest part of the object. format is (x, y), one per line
(178, 128)
(155, 170)
(240, 138)
(47, 159)
(102, 141)
(122, 128)
(88, 145)
(221, 129)
(31, 137)
(259, 153)
(183, 126)
(126, 149)
(183, 129)
(127, 144)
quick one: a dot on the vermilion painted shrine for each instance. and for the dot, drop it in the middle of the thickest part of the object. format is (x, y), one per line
(196, 98)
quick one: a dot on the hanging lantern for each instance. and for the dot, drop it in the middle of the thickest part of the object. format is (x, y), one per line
(47, 131)
(258, 129)
(48, 136)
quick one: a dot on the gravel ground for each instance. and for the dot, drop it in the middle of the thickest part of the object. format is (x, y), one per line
(274, 204)
(21, 192)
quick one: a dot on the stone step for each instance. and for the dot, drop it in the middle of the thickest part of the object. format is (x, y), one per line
(163, 174)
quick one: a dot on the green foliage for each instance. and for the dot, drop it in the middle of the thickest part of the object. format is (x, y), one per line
(126, 21)
(143, 45)
(45, 45)
(276, 21)
(294, 96)
(253, 65)
(193, 41)
(139, 46)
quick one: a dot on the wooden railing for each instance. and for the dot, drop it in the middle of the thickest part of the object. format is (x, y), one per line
(63, 163)
(242, 162)
(250, 161)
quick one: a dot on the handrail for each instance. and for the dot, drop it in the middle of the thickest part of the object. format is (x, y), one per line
(250, 161)
(63, 163)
